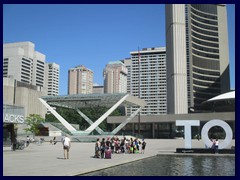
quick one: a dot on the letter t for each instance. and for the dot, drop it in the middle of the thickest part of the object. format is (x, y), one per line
(187, 130)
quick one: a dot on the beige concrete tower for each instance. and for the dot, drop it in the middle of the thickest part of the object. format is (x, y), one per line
(176, 59)
(115, 77)
(80, 80)
(197, 46)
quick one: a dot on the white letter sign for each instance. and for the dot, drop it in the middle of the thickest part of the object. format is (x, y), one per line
(187, 130)
(215, 122)
(224, 125)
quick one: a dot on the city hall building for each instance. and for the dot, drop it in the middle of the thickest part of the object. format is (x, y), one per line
(221, 107)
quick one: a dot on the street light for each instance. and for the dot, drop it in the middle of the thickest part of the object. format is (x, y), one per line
(139, 118)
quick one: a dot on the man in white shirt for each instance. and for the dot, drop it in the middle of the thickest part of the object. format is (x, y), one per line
(66, 147)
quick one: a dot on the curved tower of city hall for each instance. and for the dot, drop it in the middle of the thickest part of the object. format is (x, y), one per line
(197, 55)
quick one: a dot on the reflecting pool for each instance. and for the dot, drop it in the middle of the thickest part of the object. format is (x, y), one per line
(173, 165)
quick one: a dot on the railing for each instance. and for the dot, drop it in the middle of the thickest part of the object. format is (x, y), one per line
(64, 130)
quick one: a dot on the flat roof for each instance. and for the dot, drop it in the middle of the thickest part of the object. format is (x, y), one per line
(92, 100)
(171, 118)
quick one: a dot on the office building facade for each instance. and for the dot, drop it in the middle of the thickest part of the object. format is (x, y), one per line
(22, 63)
(115, 77)
(147, 79)
(53, 72)
(80, 80)
(197, 55)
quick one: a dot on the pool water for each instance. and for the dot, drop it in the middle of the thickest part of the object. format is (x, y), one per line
(173, 165)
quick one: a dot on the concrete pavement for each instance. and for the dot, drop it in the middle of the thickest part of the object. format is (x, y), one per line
(47, 160)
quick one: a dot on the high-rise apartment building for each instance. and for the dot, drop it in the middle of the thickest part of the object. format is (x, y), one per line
(197, 55)
(80, 80)
(147, 74)
(53, 79)
(115, 77)
(22, 63)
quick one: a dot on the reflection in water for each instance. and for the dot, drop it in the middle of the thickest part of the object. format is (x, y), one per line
(188, 166)
(165, 165)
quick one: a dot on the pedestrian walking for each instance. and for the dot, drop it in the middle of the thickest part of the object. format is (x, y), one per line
(66, 147)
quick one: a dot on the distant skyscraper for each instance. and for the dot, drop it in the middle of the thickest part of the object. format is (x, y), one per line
(22, 63)
(197, 55)
(152, 76)
(98, 89)
(80, 80)
(53, 79)
(115, 77)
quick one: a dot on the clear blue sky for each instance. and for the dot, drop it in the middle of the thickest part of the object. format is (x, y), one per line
(93, 35)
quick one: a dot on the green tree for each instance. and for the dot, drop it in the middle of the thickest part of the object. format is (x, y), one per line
(33, 122)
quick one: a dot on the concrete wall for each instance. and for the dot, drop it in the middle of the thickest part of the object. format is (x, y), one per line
(23, 96)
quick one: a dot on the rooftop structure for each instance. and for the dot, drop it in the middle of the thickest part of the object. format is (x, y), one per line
(221, 103)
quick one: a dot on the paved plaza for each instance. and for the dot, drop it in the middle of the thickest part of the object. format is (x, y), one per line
(47, 160)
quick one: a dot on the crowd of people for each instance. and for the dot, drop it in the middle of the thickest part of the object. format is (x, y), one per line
(116, 145)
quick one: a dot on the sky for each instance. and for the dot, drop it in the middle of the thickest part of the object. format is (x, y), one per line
(93, 34)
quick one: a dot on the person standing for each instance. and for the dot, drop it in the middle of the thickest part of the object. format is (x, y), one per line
(97, 148)
(14, 143)
(216, 146)
(143, 146)
(213, 143)
(103, 146)
(54, 140)
(66, 147)
(27, 141)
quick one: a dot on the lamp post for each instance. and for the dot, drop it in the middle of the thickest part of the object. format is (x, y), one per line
(139, 117)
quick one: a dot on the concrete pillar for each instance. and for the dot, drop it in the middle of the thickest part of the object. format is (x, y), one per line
(153, 130)
(133, 128)
(170, 129)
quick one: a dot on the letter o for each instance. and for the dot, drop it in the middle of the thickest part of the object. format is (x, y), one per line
(221, 123)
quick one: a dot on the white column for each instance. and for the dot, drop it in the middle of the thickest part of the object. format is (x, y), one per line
(105, 115)
(115, 131)
(99, 130)
(60, 118)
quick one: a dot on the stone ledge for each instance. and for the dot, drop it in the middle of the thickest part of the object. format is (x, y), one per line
(202, 150)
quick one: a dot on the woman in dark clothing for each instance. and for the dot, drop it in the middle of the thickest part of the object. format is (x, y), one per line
(108, 143)
(143, 146)
(103, 145)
